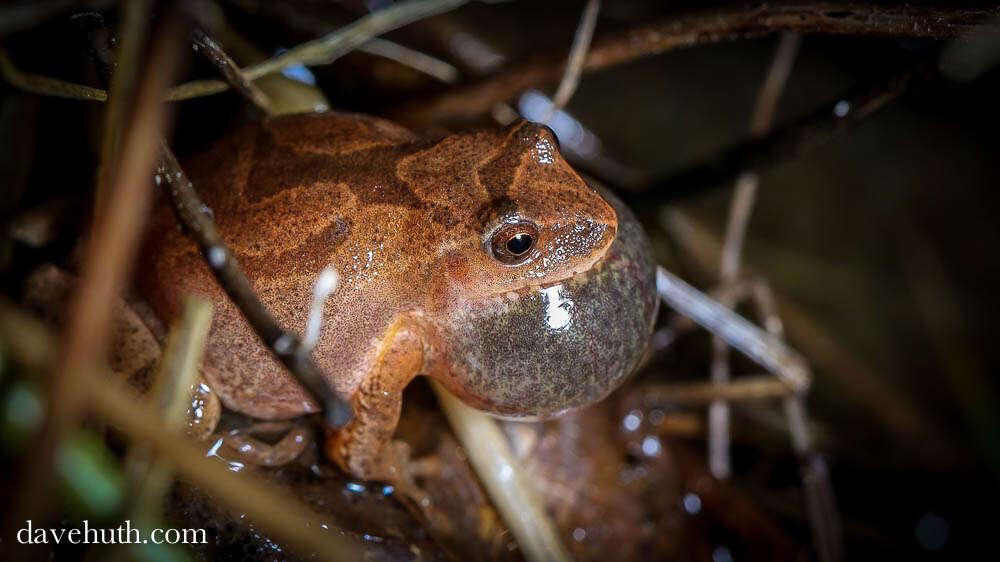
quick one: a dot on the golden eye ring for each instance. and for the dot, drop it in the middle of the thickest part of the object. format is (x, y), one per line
(511, 243)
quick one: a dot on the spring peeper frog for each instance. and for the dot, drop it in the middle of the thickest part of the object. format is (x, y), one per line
(480, 259)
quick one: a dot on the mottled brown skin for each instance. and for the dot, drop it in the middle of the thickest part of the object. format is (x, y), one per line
(408, 223)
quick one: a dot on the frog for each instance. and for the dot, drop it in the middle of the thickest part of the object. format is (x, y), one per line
(479, 259)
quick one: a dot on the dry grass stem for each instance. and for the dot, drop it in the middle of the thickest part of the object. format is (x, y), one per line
(496, 466)
(864, 383)
(285, 518)
(122, 71)
(421, 62)
(43, 85)
(577, 56)
(328, 48)
(208, 47)
(740, 210)
(752, 387)
(736, 21)
(763, 348)
(828, 123)
(319, 51)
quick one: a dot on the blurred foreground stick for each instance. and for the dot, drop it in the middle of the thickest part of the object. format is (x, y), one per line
(112, 243)
(283, 517)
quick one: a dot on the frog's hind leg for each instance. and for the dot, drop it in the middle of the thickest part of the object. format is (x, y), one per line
(364, 447)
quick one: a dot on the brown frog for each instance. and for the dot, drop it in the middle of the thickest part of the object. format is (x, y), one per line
(479, 259)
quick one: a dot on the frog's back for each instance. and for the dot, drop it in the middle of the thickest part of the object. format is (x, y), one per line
(290, 197)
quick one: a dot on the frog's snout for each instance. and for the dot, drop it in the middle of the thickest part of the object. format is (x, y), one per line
(539, 353)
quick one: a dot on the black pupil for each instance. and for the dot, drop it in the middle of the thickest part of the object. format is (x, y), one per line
(519, 244)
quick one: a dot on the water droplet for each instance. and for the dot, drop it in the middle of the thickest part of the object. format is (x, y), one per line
(216, 256)
(721, 554)
(656, 416)
(355, 487)
(932, 531)
(506, 473)
(283, 344)
(632, 420)
(651, 446)
(692, 503)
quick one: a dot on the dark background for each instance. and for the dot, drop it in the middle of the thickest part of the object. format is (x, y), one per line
(883, 238)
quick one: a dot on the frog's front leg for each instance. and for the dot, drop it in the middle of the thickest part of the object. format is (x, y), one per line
(364, 447)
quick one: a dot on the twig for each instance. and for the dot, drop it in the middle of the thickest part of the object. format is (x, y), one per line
(739, 218)
(577, 55)
(821, 506)
(230, 71)
(38, 84)
(318, 22)
(866, 386)
(123, 75)
(286, 346)
(114, 240)
(763, 348)
(319, 51)
(330, 47)
(826, 124)
(421, 62)
(753, 387)
(497, 468)
(462, 105)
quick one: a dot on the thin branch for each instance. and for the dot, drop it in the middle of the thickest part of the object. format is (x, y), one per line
(496, 466)
(419, 61)
(330, 47)
(122, 71)
(320, 51)
(319, 22)
(826, 124)
(753, 387)
(821, 505)
(744, 194)
(38, 84)
(577, 56)
(286, 346)
(462, 105)
(207, 46)
(763, 348)
(866, 386)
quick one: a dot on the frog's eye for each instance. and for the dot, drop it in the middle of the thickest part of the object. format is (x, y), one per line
(512, 243)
